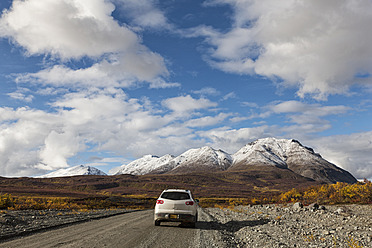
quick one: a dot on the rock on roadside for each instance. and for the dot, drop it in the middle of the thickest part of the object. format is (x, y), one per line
(287, 226)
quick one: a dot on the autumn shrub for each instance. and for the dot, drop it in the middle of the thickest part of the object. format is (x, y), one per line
(39, 203)
(337, 193)
(291, 196)
(65, 203)
(6, 201)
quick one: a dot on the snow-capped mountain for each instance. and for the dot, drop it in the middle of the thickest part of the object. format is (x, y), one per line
(202, 159)
(289, 154)
(281, 153)
(268, 151)
(79, 170)
(271, 151)
(147, 164)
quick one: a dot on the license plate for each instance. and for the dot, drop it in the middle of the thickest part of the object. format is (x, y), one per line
(173, 216)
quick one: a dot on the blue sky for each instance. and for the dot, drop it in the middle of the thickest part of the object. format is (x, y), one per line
(103, 83)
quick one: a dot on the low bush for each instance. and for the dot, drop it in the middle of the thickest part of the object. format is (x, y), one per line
(338, 193)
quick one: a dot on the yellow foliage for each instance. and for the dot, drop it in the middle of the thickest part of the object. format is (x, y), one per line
(360, 192)
(291, 196)
(6, 201)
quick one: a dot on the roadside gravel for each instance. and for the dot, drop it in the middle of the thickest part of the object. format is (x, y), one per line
(294, 226)
(271, 226)
(17, 223)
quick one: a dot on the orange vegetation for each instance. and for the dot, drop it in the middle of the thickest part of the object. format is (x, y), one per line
(360, 192)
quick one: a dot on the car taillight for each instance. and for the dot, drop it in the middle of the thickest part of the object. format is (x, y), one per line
(159, 201)
(190, 203)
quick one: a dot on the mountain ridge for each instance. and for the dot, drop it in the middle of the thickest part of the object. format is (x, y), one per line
(287, 154)
(79, 170)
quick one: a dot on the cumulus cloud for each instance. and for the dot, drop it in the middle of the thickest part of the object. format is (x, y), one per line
(231, 140)
(351, 152)
(91, 114)
(34, 141)
(22, 131)
(207, 120)
(76, 29)
(207, 91)
(299, 120)
(123, 71)
(322, 47)
(184, 104)
(305, 115)
(144, 13)
(21, 96)
(312, 111)
(67, 29)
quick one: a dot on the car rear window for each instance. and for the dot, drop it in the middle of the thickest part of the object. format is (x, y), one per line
(175, 195)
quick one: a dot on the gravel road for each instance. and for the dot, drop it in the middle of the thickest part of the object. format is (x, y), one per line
(244, 226)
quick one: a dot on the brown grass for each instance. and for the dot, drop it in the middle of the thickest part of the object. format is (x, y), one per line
(257, 186)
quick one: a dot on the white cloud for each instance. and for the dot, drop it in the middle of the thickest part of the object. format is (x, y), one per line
(318, 46)
(100, 161)
(183, 104)
(123, 71)
(159, 83)
(351, 152)
(22, 133)
(21, 96)
(228, 96)
(66, 29)
(58, 146)
(144, 13)
(33, 141)
(250, 104)
(207, 91)
(305, 114)
(207, 120)
(231, 140)
(76, 29)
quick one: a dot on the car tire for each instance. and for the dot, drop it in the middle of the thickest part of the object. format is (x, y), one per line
(157, 223)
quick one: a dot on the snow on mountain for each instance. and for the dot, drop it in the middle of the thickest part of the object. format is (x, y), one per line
(281, 153)
(270, 151)
(292, 155)
(75, 171)
(202, 159)
(145, 165)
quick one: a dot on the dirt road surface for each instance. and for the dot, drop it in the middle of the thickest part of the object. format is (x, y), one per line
(134, 229)
(264, 226)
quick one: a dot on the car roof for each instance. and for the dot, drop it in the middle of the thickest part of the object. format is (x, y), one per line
(177, 190)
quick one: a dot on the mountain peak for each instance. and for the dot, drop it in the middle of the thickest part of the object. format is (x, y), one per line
(145, 165)
(288, 154)
(75, 171)
(202, 159)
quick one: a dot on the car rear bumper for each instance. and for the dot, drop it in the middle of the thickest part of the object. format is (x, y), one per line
(171, 217)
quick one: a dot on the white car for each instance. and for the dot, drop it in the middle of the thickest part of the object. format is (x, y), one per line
(176, 205)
